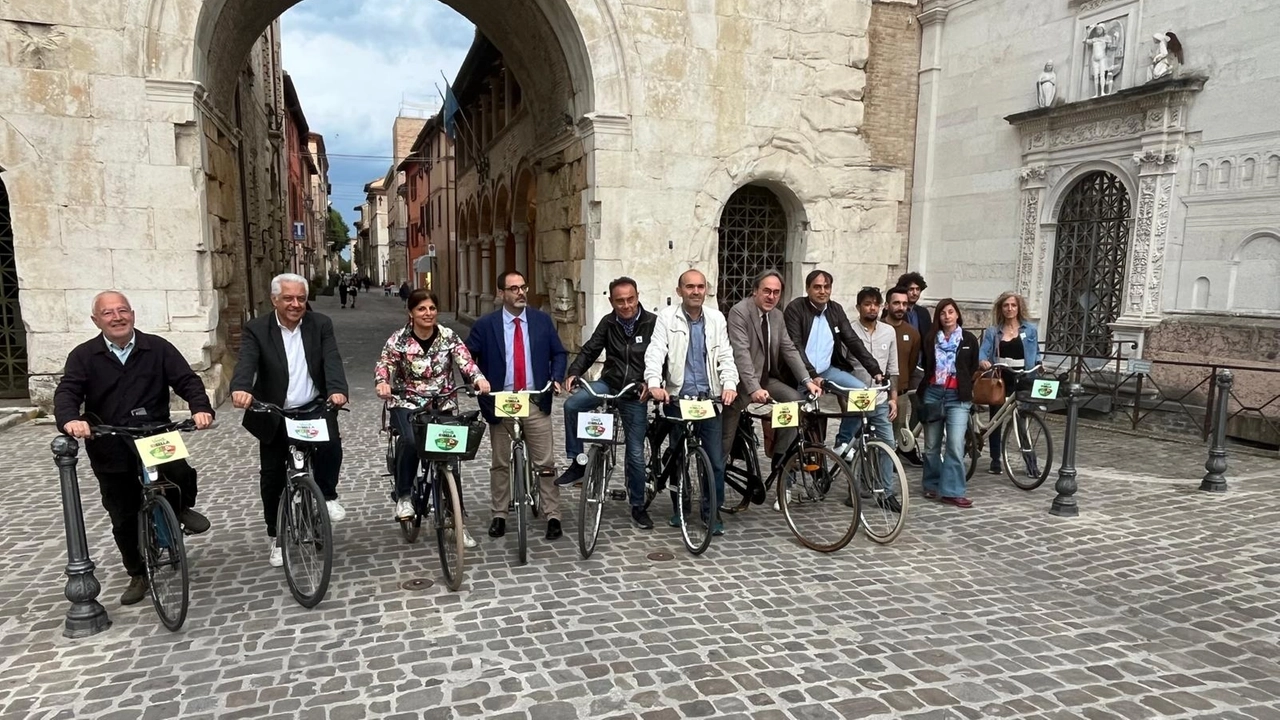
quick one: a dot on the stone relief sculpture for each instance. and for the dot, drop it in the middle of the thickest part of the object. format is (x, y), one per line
(1047, 86)
(1166, 56)
(1104, 44)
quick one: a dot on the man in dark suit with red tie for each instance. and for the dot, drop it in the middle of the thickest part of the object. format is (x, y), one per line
(518, 348)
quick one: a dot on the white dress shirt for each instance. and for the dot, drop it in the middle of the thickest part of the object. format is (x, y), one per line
(301, 388)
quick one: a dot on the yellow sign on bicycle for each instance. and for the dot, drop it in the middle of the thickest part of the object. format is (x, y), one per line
(511, 404)
(697, 409)
(1044, 390)
(786, 415)
(862, 400)
(160, 449)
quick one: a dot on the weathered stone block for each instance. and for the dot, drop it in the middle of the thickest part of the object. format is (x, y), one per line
(93, 226)
(53, 268)
(155, 270)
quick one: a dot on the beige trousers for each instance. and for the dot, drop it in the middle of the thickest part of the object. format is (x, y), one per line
(541, 444)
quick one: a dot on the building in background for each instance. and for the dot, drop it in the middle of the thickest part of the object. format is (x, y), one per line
(301, 174)
(432, 225)
(318, 200)
(371, 251)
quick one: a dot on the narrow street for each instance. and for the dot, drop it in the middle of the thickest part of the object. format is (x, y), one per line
(1157, 600)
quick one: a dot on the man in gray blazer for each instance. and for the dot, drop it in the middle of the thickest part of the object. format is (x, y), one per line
(765, 356)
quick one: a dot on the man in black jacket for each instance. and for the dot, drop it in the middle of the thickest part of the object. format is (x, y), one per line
(290, 358)
(623, 335)
(821, 332)
(123, 377)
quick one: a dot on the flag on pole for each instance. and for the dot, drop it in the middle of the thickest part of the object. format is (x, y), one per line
(451, 111)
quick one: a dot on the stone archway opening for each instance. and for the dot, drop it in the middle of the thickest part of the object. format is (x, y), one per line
(13, 333)
(1089, 258)
(753, 234)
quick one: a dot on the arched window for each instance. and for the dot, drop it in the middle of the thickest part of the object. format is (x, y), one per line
(1257, 267)
(1088, 265)
(13, 335)
(753, 238)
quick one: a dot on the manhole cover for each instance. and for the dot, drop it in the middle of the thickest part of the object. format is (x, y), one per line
(660, 556)
(416, 584)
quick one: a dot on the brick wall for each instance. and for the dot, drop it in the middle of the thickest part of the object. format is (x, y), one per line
(890, 99)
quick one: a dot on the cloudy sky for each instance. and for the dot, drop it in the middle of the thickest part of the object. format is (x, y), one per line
(354, 63)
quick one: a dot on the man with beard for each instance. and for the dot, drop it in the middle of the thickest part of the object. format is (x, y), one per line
(909, 374)
(881, 339)
(917, 315)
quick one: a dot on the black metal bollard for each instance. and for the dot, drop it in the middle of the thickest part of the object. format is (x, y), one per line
(1216, 465)
(86, 616)
(1064, 505)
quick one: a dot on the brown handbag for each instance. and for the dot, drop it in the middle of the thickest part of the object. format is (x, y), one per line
(988, 387)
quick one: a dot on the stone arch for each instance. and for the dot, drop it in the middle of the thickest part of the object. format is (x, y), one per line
(1053, 204)
(1255, 265)
(567, 54)
(1200, 181)
(1222, 177)
(504, 249)
(524, 229)
(752, 236)
(1248, 172)
(1272, 173)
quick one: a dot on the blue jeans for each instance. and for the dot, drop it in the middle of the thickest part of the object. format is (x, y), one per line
(883, 429)
(711, 433)
(408, 463)
(850, 424)
(945, 475)
(635, 422)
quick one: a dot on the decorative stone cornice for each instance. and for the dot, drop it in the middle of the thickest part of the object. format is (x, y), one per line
(933, 16)
(1155, 157)
(1174, 91)
(1032, 172)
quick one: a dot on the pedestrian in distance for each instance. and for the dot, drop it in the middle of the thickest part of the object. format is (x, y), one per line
(404, 291)
(950, 357)
(518, 347)
(623, 336)
(1010, 340)
(342, 291)
(353, 289)
(123, 376)
(290, 358)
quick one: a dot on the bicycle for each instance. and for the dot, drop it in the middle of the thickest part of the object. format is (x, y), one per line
(304, 531)
(696, 529)
(819, 490)
(159, 534)
(1034, 443)
(524, 491)
(881, 521)
(601, 432)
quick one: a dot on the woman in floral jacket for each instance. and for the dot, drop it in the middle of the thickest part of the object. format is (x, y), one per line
(421, 358)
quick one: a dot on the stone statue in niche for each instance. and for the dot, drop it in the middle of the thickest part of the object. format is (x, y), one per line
(1167, 55)
(1104, 45)
(1047, 86)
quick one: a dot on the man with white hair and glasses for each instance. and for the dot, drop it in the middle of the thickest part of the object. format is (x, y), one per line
(290, 358)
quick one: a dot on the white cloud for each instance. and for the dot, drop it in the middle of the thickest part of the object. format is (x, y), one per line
(353, 64)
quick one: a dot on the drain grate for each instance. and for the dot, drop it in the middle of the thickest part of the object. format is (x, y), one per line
(660, 556)
(416, 584)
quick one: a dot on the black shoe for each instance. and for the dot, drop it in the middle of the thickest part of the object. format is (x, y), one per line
(498, 527)
(571, 476)
(193, 523)
(553, 529)
(890, 503)
(995, 469)
(912, 456)
(137, 590)
(641, 518)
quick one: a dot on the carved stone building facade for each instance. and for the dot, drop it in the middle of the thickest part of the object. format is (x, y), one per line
(1139, 217)
(641, 121)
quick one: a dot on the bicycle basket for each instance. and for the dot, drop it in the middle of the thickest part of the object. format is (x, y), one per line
(448, 437)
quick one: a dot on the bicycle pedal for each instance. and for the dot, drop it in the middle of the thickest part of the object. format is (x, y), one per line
(617, 494)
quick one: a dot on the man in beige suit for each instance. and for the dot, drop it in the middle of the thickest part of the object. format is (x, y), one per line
(761, 349)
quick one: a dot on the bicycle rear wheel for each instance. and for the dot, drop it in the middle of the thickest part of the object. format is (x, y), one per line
(520, 483)
(447, 499)
(972, 451)
(1028, 456)
(306, 539)
(696, 501)
(591, 505)
(742, 479)
(160, 539)
(884, 502)
(819, 498)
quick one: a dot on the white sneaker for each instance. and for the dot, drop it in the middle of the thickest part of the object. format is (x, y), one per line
(777, 506)
(468, 541)
(842, 448)
(277, 555)
(404, 509)
(337, 512)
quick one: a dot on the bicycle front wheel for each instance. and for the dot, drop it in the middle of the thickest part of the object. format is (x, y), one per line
(819, 498)
(879, 476)
(450, 537)
(591, 506)
(696, 502)
(520, 486)
(306, 539)
(972, 451)
(160, 539)
(1028, 453)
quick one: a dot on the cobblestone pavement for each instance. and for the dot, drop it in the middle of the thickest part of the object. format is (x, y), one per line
(1158, 601)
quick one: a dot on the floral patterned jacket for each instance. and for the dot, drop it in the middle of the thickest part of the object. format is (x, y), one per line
(424, 373)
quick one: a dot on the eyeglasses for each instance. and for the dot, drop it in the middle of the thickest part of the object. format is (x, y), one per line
(516, 288)
(123, 312)
(767, 291)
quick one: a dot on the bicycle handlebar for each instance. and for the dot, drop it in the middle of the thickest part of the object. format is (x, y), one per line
(1019, 371)
(604, 396)
(878, 388)
(141, 431)
(662, 407)
(263, 406)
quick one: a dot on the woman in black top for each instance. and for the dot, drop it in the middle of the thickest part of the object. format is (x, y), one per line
(949, 357)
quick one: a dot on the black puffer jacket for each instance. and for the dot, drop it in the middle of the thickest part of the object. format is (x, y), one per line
(624, 354)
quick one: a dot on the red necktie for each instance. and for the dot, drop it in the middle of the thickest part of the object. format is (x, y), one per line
(517, 352)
